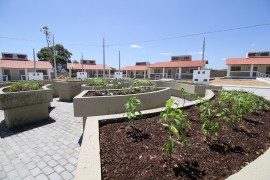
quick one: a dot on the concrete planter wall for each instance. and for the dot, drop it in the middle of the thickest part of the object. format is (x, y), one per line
(103, 105)
(67, 90)
(90, 88)
(199, 89)
(25, 106)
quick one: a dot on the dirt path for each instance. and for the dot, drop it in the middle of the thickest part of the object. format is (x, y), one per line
(244, 82)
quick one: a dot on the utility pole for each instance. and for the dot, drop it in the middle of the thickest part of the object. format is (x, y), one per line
(34, 55)
(203, 53)
(103, 58)
(82, 61)
(47, 33)
(54, 60)
(119, 60)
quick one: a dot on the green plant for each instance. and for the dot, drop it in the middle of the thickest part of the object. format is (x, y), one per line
(230, 107)
(25, 86)
(175, 123)
(117, 85)
(131, 112)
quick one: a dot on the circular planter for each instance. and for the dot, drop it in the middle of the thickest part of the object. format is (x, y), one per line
(25, 106)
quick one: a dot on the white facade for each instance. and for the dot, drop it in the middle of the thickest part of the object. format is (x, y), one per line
(35, 76)
(201, 76)
(82, 75)
(118, 75)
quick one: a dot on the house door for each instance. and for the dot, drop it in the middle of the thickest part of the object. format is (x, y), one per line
(169, 73)
(7, 73)
(267, 70)
(22, 74)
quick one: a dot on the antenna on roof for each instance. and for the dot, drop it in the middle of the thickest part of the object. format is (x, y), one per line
(203, 53)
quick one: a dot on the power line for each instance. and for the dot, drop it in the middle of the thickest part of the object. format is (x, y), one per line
(148, 41)
(190, 35)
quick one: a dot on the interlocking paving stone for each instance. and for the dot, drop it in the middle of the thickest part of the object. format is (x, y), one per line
(55, 176)
(28, 152)
(35, 172)
(41, 177)
(66, 175)
(47, 170)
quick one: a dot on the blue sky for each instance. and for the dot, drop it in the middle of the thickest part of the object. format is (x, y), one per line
(127, 25)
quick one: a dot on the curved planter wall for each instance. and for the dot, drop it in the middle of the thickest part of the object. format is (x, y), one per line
(25, 106)
(199, 89)
(67, 90)
(103, 105)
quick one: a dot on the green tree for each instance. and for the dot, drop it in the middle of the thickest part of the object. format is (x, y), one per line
(62, 56)
(76, 62)
(113, 70)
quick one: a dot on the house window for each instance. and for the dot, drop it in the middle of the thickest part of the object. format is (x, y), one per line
(157, 70)
(191, 70)
(267, 70)
(236, 68)
(255, 68)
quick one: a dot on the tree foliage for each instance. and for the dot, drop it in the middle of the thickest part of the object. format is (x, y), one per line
(62, 56)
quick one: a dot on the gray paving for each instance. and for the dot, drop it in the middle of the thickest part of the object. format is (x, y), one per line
(44, 150)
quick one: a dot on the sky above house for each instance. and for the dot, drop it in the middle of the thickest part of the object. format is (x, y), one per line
(143, 30)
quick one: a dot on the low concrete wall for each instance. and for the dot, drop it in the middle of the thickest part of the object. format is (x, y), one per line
(103, 105)
(89, 166)
(25, 106)
(198, 89)
(67, 90)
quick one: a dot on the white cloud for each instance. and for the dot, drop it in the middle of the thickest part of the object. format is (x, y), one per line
(136, 46)
(166, 53)
(195, 53)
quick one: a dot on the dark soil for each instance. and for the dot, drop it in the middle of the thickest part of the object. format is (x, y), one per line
(144, 157)
(124, 91)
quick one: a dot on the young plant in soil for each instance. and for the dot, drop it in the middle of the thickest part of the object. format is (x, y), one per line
(132, 113)
(230, 107)
(175, 123)
(184, 95)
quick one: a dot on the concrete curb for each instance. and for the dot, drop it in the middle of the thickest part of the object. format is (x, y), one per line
(239, 86)
(89, 166)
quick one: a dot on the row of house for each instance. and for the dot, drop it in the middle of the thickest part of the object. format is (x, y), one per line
(17, 66)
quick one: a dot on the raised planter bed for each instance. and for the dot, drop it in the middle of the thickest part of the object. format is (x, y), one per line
(67, 90)
(85, 106)
(122, 158)
(198, 89)
(89, 164)
(25, 106)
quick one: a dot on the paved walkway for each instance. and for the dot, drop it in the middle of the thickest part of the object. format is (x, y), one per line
(42, 150)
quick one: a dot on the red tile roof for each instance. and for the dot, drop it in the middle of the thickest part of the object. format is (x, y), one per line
(88, 66)
(135, 68)
(238, 61)
(17, 64)
(195, 63)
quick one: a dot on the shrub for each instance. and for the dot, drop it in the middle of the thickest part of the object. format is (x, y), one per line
(25, 86)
